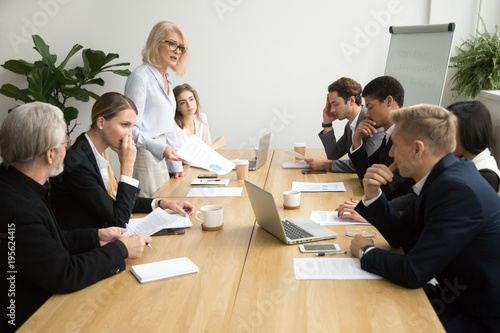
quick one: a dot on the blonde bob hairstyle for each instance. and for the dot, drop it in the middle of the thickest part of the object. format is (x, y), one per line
(432, 124)
(150, 53)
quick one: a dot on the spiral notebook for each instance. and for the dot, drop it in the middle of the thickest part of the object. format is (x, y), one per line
(164, 269)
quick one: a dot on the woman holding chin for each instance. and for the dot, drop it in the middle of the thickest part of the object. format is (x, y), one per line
(150, 88)
(86, 194)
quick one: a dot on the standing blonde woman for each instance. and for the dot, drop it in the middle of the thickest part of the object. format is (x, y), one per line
(86, 194)
(151, 90)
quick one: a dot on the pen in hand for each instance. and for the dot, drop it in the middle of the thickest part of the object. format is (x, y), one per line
(322, 254)
(149, 245)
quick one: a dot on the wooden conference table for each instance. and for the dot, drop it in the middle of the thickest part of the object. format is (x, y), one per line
(246, 281)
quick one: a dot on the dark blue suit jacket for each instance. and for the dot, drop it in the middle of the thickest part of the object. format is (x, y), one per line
(450, 232)
(79, 198)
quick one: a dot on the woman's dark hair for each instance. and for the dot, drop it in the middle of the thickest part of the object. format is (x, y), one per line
(474, 125)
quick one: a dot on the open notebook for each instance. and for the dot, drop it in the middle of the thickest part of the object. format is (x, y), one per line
(163, 269)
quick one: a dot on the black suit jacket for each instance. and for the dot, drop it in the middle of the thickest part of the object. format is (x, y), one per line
(450, 232)
(44, 259)
(399, 185)
(335, 149)
(79, 198)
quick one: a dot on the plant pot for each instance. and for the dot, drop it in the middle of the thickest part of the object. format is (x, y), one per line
(491, 98)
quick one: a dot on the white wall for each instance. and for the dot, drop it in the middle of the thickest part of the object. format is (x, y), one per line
(256, 64)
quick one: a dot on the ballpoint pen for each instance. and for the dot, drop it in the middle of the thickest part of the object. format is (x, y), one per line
(322, 254)
(149, 245)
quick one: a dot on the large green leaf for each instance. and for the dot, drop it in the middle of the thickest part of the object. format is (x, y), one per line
(92, 94)
(121, 72)
(110, 57)
(18, 66)
(76, 92)
(70, 113)
(97, 81)
(14, 92)
(93, 61)
(62, 79)
(43, 49)
(41, 83)
(76, 48)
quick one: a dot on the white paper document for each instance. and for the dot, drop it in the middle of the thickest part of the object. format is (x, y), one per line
(163, 269)
(155, 221)
(295, 154)
(211, 182)
(198, 153)
(215, 192)
(330, 269)
(332, 218)
(295, 165)
(318, 187)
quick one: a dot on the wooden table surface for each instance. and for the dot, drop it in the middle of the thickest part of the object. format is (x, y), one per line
(246, 281)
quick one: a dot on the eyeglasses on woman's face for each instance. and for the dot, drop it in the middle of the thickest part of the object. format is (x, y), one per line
(173, 46)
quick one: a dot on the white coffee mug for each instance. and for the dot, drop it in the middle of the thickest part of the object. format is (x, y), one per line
(291, 199)
(211, 217)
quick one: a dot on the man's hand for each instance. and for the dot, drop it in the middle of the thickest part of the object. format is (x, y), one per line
(135, 245)
(376, 176)
(357, 243)
(365, 128)
(328, 115)
(110, 234)
(348, 207)
(183, 208)
(319, 163)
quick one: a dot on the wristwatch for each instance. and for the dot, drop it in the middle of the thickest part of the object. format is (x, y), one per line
(326, 125)
(362, 250)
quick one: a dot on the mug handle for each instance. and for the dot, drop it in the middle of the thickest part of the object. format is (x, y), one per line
(196, 216)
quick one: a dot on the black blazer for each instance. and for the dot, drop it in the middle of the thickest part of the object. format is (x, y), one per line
(79, 198)
(450, 232)
(399, 185)
(46, 260)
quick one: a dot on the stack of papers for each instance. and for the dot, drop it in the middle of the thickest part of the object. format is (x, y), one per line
(163, 269)
(330, 269)
(155, 221)
(332, 218)
(215, 192)
(295, 165)
(318, 187)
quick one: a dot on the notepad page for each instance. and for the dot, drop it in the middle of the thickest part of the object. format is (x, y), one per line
(164, 269)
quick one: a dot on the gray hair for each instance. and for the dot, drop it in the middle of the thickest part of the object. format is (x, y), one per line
(29, 131)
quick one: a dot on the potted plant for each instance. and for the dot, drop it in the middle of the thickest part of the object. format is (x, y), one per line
(54, 84)
(478, 64)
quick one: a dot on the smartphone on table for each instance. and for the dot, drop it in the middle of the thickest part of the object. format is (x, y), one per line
(319, 248)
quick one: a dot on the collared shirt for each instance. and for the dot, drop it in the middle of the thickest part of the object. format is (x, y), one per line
(103, 163)
(156, 110)
(352, 125)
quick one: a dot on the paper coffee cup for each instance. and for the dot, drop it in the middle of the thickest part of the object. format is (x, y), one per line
(211, 217)
(241, 169)
(299, 147)
(291, 199)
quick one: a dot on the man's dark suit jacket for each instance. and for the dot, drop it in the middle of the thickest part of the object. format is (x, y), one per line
(362, 161)
(335, 149)
(45, 260)
(450, 232)
(79, 198)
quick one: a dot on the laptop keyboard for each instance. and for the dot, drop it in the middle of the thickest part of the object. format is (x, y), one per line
(294, 232)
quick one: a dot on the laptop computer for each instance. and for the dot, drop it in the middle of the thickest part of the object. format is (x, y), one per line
(291, 230)
(261, 154)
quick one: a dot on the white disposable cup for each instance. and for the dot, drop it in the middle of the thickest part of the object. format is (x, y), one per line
(291, 199)
(211, 217)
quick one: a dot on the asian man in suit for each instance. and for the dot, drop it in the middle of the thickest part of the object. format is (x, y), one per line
(343, 102)
(449, 232)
